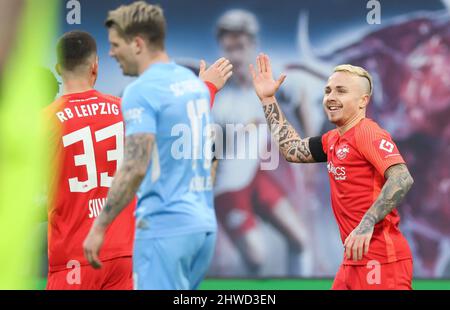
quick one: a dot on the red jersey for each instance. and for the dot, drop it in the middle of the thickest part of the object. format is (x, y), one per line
(356, 163)
(87, 131)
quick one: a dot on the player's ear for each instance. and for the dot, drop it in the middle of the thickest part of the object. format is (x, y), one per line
(364, 101)
(94, 68)
(94, 71)
(139, 44)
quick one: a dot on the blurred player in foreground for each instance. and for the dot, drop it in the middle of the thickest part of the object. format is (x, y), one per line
(88, 136)
(23, 150)
(368, 176)
(168, 154)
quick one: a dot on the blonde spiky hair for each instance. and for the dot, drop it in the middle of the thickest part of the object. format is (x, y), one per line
(359, 71)
(139, 18)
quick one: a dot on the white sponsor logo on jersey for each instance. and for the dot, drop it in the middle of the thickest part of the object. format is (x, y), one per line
(386, 146)
(338, 172)
(133, 115)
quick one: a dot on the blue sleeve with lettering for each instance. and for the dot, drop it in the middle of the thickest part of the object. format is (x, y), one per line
(139, 112)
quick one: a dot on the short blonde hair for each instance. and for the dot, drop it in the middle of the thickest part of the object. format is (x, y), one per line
(359, 71)
(139, 18)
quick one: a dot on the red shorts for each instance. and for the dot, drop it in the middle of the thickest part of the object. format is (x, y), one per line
(235, 210)
(392, 276)
(115, 274)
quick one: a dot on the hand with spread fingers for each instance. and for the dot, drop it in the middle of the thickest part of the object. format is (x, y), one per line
(218, 73)
(263, 82)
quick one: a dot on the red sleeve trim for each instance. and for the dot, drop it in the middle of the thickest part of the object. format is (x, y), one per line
(212, 91)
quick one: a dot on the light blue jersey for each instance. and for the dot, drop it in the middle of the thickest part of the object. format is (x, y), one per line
(175, 197)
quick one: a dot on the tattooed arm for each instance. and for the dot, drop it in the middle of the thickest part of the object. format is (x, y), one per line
(138, 148)
(126, 182)
(398, 183)
(292, 146)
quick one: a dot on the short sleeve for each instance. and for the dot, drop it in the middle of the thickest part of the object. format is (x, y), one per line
(140, 115)
(317, 149)
(325, 142)
(377, 146)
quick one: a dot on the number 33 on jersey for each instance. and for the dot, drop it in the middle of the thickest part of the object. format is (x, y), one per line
(87, 134)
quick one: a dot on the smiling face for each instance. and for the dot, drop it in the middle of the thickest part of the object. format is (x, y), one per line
(123, 51)
(346, 97)
(135, 32)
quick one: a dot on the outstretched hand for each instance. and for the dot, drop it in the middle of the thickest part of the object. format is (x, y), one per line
(263, 82)
(218, 73)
